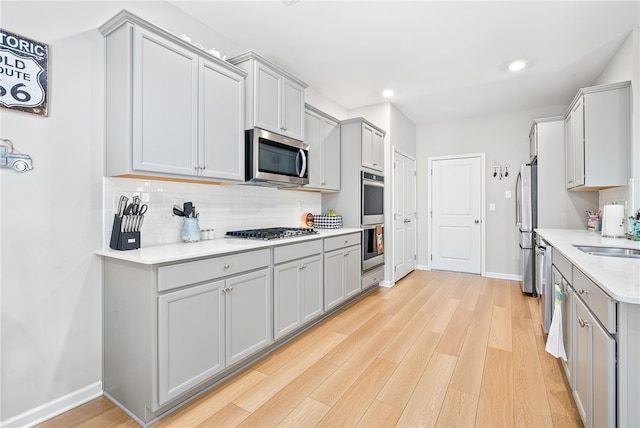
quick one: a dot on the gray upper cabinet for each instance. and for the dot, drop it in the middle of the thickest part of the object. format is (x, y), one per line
(597, 138)
(274, 98)
(171, 108)
(322, 133)
(372, 147)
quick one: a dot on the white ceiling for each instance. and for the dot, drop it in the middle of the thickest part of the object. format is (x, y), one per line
(445, 60)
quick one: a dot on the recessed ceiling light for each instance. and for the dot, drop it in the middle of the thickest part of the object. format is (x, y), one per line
(387, 93)
(517, 65)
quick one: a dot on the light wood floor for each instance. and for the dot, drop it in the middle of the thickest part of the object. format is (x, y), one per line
(438, 349)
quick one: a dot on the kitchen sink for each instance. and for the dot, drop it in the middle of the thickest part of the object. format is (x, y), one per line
(631, 253)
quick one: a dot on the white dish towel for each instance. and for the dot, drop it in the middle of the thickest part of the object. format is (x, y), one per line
(555, 342)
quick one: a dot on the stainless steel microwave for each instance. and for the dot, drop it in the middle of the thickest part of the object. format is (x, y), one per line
(274, 160)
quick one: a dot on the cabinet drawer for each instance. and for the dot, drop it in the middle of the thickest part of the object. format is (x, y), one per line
(563, 265)
(373, 278)
(187, 273)
(285, 253)
(341, 241)
(603, 306)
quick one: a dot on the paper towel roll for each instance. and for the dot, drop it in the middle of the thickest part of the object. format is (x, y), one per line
(613, 221)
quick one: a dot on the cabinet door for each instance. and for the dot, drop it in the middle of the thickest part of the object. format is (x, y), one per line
(311, 287)
(286, 298)
(312, 136)
(603, 370)
(334, 262)
(331, 155)
(190, 338)
(567, 329)
(582, 352)
(292, 121)
(267, 102)
(248, 314)
(221, 123)
(352, 269)
(569, 155)
(367, 146)
(378, 150)
(165, 103)
(577, 119)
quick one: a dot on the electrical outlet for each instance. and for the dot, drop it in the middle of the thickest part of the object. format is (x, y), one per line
(507, 194)
(492, 206)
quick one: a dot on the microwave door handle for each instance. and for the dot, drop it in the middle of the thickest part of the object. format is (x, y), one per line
(304, 163)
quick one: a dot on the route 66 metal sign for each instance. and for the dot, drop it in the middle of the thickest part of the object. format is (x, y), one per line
(23, 74)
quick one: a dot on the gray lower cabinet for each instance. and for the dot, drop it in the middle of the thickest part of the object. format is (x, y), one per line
(206, 328)
(297, 294)
(342, 269)
(297, 286)
(595, 387)
(248, 315)
(191, 336)
(172, 330)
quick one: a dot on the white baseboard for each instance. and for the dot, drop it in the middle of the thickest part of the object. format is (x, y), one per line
(387, 284)
(503, 276)
(486, 274)
(53, 408)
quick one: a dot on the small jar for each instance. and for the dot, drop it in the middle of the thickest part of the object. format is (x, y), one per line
(191, 230)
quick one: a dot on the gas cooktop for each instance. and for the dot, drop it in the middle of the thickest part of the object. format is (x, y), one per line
(271, 233)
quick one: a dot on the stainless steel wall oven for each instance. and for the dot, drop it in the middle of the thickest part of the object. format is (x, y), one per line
(372, 198)
(372, 246)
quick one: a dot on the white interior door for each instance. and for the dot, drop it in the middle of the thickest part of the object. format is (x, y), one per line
(456, 214)
(404, 215)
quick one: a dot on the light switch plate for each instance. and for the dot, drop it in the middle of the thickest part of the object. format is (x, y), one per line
(492, 207)
(507, 194)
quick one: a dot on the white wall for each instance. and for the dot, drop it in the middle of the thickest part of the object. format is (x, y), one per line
(52, 217)
(625, 65)
(502, 138)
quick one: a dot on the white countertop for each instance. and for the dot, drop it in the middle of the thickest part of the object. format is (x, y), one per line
(618, 277)
(181, 251)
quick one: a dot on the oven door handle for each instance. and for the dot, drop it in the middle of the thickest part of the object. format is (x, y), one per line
(372, 183)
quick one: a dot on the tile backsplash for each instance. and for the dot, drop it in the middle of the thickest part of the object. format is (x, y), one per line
(221, 207)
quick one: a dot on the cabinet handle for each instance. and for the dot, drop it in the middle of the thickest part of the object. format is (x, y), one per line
(227, 266)
(303, 267)
(582, 291)
(230, 288)
(583, 323)
(375, 164)
(203, 167)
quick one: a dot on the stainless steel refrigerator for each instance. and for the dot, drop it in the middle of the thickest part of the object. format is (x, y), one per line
(527, 220)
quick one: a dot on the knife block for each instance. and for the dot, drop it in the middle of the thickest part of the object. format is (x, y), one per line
(123, 240)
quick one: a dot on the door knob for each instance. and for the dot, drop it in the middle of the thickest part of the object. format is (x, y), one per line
(476, 221)
(406, 220)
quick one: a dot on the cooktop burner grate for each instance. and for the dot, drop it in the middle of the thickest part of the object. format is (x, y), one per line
(270, 233)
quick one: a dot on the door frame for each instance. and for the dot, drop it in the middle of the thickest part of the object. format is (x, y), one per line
(395, 151)
(483, 216)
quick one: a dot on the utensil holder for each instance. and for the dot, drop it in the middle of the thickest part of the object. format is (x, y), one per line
(191, 230)
(123, 240)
